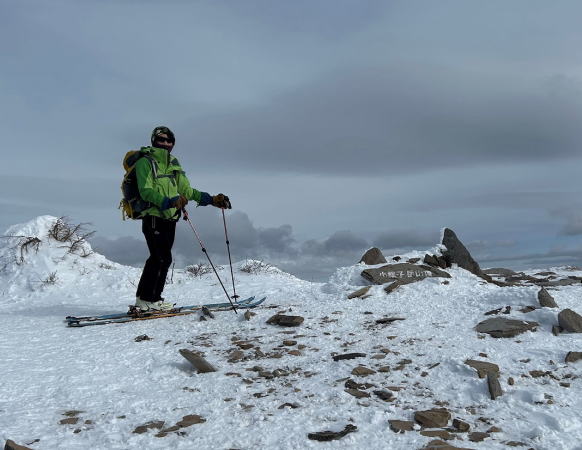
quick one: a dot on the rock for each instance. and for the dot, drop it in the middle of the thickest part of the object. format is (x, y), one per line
(387, 396)
(289, 342)
(357, 393)
(458, 254)
(285, 321)
(493, 312)
(478, 436)
(461, 426)
(199, 363)
(437, 444)
(483, 367)
(235, 355)
(332, 435)
(545, 299)
(570, 321)
(351, 384)
(359, 293)
(362, 371)
(373, 256)
(494, 386)
(510, 381)
(413, 260)
(349, 356)
(431, 260)
(499, 271)
(433, 418)
(443, 434)
(289, 405)
(573, 357)
(388, 320)
(401, 426)
(396, 284)
(189, 420)
(247, 315)
(402, 271)
(556, 330)
(500, 327)
(11, 445)
(158, 424)
(142, 337)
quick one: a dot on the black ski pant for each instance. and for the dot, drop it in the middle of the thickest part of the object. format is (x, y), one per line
(159, 234)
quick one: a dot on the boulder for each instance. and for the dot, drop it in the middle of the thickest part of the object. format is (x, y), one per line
(332, 435)
(373, 256)
(403, 272)
(433, 418)
(500, 327)
(546, 299)
(570, 321)
(494, 386)
(573, 357)
(458, 254)
(400, 426)
(360, 293)
(285, 321)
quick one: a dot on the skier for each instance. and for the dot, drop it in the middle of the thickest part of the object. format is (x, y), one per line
(163, 183)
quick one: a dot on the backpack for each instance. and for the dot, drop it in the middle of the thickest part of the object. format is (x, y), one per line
(132, 205)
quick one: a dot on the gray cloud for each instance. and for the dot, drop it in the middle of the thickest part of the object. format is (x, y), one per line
(405, 239)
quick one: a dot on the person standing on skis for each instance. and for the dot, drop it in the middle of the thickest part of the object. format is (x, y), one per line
(163, 183)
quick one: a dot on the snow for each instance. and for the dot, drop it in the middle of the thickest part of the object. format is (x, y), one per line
(119, 384)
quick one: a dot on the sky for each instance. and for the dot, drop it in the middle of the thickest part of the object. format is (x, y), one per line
(333, 126)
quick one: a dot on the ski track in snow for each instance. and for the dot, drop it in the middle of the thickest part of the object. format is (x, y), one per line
(119, 384)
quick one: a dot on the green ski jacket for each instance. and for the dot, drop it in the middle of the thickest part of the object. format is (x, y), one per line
(165, 183)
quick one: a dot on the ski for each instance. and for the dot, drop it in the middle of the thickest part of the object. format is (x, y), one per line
(73, 321)
(180, 308)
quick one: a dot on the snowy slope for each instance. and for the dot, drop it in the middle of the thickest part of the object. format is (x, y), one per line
(112, 384)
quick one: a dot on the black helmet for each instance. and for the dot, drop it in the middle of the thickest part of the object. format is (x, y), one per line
(162, 130)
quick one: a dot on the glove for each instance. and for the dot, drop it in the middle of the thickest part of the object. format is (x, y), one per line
(179, 202)
(221, 201)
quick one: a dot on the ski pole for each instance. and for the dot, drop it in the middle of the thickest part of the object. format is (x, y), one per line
(186, 217)
(229, 258)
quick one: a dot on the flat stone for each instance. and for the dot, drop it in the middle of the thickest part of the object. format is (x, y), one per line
(357, 393)
(388, 320)
(11, 445)
(289, 342)
(348, 356)
(437, 444)
(402, 271)
(199, 363)
(570, 321)
(360, 292)
(351, 384)
(401, 426)
(545, 299)
(573, 357)
(396, 284)
(332, 435)
(191, 419)
(483, 367)
(500, 327)
(362, 371)
(285, 321)
(443, 434)
(69, 421)
(433, 418)
(478, 436)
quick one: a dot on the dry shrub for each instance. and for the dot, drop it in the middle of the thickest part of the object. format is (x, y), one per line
(254, 266)
(73, 236)
(197, 270)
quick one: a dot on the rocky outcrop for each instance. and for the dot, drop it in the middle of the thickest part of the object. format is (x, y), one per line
(545, 299)
(457, 253)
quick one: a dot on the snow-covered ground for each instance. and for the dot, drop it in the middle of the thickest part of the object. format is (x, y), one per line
(111, 383)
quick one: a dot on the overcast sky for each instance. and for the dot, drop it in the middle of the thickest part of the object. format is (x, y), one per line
(332, 125)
